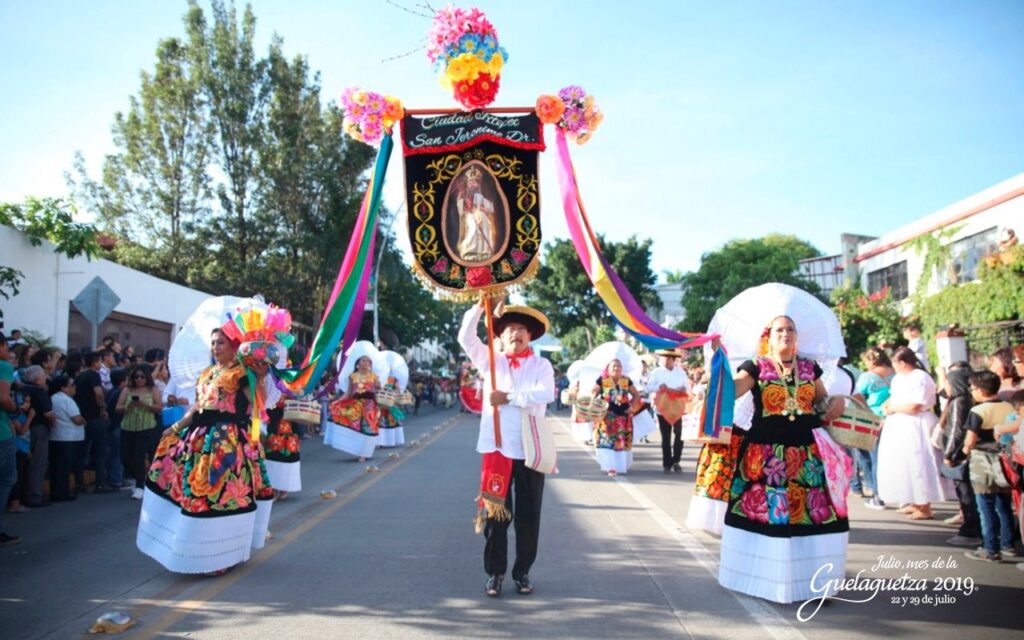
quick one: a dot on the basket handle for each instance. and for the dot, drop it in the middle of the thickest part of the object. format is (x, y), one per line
(855, 400)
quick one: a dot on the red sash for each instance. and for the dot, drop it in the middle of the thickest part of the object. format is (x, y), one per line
(495, 478)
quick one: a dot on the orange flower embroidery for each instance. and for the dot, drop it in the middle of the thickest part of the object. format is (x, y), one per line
(805, 398)
(797, 503)
(773, 397)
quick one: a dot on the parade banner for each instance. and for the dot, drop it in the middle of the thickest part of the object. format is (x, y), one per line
(473, 200)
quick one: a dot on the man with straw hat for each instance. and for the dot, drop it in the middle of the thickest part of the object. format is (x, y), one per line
(523, 384)
(671, 390)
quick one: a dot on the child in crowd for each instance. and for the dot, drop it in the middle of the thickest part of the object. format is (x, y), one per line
(991, 487)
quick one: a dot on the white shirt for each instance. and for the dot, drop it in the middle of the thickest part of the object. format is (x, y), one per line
(65, 408)
(173, 389)
(530, 387)
(920, 350)
(674, 378)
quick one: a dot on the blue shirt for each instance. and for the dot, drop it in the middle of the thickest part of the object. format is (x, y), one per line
(875, 390)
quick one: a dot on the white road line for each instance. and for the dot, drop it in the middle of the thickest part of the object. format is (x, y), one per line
(774, 624)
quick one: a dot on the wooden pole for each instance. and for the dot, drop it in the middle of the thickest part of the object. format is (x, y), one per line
(488, 311)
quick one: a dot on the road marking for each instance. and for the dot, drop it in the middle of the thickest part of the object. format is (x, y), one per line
(181, 609)
(774, 624)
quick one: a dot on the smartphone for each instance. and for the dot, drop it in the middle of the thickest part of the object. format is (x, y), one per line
(136, 398)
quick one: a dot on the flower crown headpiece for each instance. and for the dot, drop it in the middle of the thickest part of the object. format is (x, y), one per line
(261, 334)
(762, 346)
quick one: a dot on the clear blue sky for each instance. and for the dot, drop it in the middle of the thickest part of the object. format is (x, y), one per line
(723, 120)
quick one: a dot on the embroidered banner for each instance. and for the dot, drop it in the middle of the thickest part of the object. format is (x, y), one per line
(473, 200)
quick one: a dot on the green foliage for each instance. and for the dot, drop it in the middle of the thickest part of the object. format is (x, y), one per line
(37, 339)
(10, 282)
(581, 340)
(564, 293)
(229, 174)
(866, 321)
(937, 252)
(739, 265)
(50, 219)
(997, 295)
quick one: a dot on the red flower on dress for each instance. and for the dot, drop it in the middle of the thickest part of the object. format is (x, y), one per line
(755, 503)
(753, 462)
(479, 277)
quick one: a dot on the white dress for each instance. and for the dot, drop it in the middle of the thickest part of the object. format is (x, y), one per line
(908, 466)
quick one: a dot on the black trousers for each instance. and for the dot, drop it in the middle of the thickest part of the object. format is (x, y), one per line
(971, 527)
(524, 499)
(137, 451)
(671, 451)
(62, 462)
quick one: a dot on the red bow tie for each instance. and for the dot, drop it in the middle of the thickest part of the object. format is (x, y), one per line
(514, 358)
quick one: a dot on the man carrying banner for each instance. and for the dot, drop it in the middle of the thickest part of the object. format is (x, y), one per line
(671, 387)
(510, 491)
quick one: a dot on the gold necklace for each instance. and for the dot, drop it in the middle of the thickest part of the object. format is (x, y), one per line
(792, 407)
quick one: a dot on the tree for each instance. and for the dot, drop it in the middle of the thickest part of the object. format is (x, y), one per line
(50, 219)
(866, 320)
(739, 265)
(156, 187)
(563, 291)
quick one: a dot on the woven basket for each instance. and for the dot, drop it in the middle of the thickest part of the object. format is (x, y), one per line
(406, 398)
(387, 398)
(858, 427)
(591, 409)
(305, 411)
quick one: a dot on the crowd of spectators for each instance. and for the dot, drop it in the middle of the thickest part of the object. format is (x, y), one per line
(80, 422)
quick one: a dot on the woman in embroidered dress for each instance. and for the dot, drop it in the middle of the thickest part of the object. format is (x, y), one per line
(392, 434)
(613, 436)
(207, 500)
(908, 465)
(283, 448)
(356, 416)
(786, 519)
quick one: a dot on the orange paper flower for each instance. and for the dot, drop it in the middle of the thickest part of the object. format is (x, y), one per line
(550, 109)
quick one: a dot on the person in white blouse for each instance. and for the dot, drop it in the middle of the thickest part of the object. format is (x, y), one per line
(66, 437)
(525, 385)
(670, 386)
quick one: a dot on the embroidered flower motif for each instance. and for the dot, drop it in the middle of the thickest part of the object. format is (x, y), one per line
(778, 506)
(479, 277)
(805, 398)
(773, 397)
(753, 462)
(795, 457)
(754, 503)
(797, 499)
(817, 504)
(812, 474)
(775, 472)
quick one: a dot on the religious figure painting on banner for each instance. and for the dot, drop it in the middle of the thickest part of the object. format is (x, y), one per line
(476, 216)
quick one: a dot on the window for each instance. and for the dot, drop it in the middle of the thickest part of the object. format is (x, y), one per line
(965, 254)
(894, 277)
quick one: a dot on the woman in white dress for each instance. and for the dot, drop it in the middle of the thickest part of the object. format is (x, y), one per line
(908, 465)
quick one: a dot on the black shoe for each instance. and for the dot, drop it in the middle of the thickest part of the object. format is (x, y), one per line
(7, 540)
(677, 468)
(523, 586)
(39, 504)
(493, 586)
(668, 471)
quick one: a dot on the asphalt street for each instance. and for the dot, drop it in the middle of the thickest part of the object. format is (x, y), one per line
(394, 556)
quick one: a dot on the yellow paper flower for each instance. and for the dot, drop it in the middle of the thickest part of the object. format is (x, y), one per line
(495, 64)
(458, 69)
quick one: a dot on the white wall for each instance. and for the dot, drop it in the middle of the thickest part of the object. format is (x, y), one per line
(1009, 213)
(51, 281)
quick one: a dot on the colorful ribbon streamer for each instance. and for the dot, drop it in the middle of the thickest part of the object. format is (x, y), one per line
(620, 302)
(343, 314)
